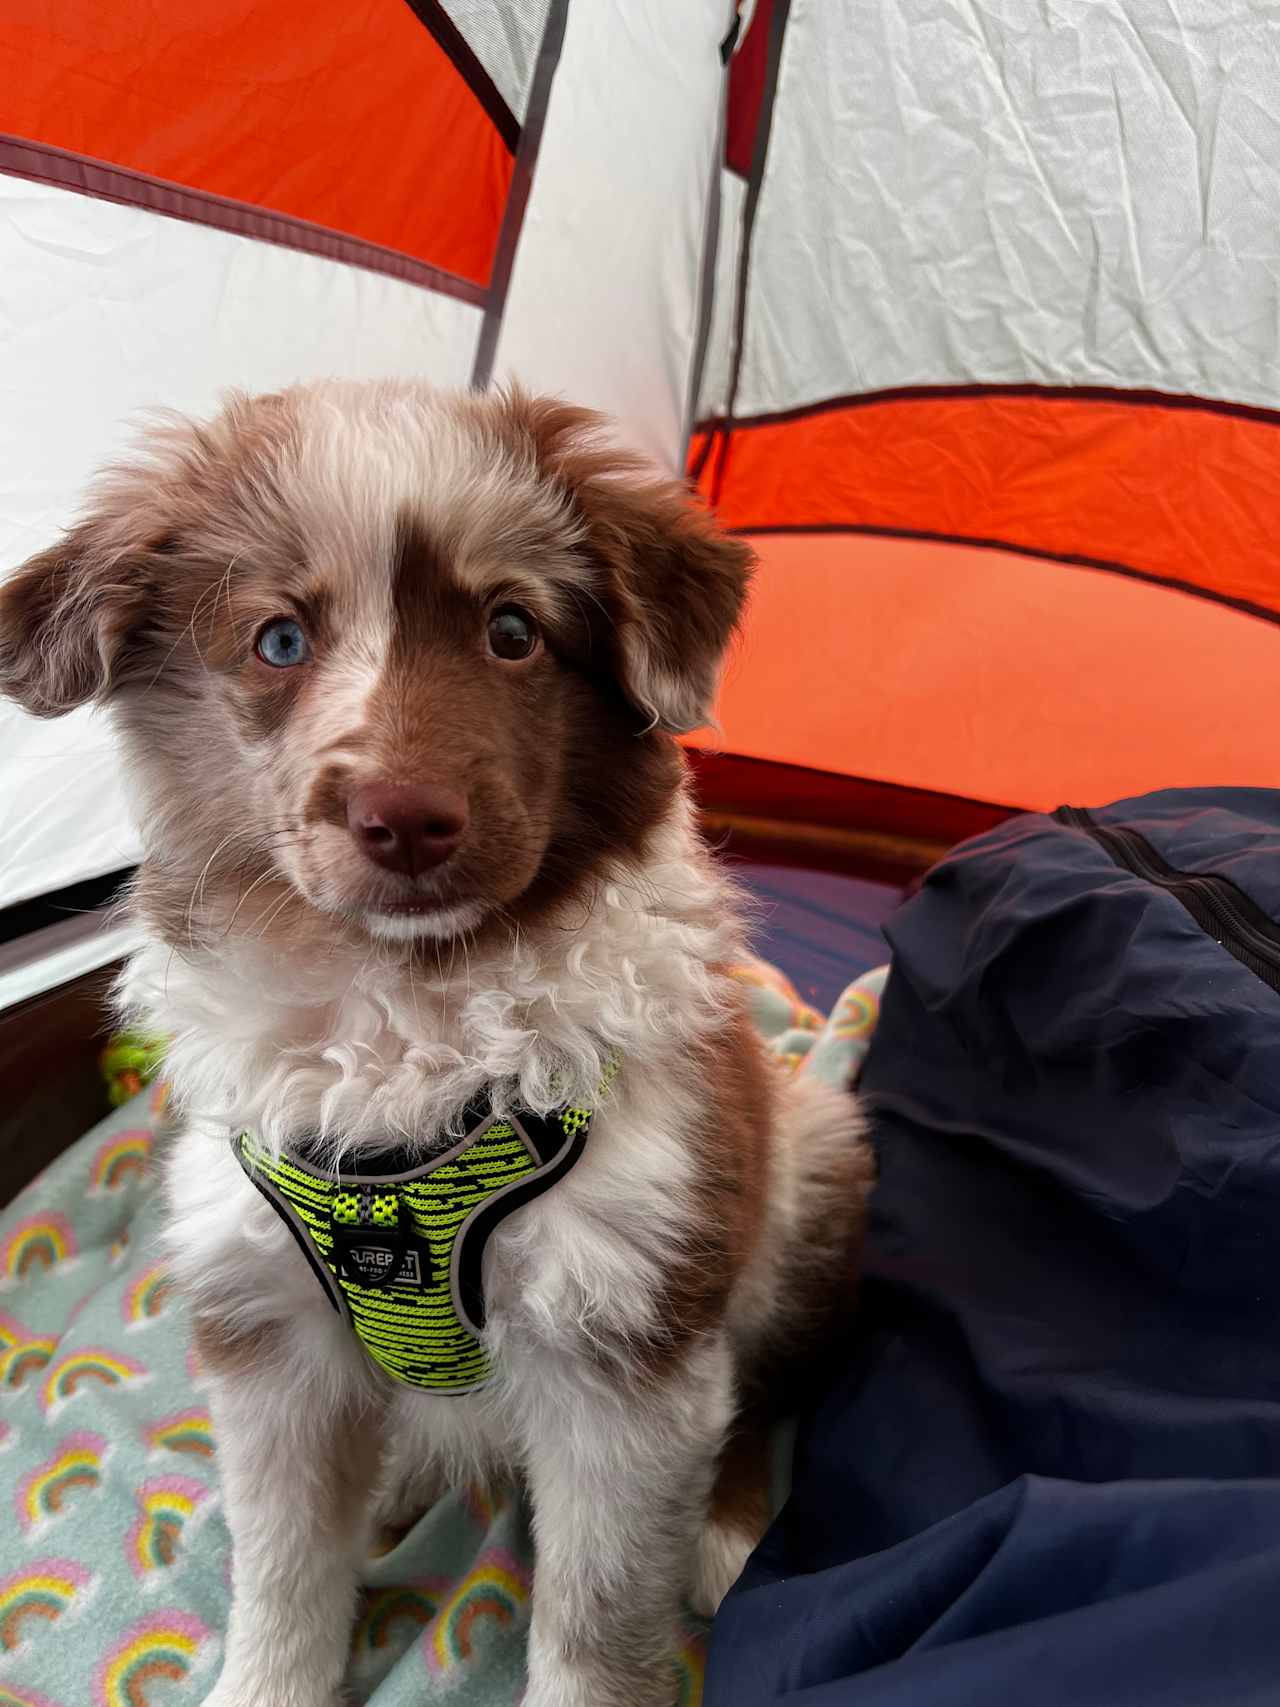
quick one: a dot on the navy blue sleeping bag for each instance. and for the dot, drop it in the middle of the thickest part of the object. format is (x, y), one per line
(1046, 1472)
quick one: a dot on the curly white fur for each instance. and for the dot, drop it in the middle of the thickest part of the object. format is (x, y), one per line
(363, 1045)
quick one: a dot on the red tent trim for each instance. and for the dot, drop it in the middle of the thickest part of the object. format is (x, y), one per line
(771, 16)
(752, 77)
(1052, 393)
(42, 163)
(782, 814)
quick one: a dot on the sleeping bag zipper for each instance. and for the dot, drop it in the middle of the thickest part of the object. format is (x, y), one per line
(1215, 903)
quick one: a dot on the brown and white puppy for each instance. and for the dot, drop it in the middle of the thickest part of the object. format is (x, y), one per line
(396, 674)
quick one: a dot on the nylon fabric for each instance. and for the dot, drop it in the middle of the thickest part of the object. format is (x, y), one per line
(987, 675)
(1048, 1467)
(1081, 193)
(603, 305)
(1181, 494)
(505, 39)
(355, 120)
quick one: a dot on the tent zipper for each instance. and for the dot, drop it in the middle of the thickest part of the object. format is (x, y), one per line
(1217, 905)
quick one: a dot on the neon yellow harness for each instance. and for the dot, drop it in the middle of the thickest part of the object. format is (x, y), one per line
(399, 1248)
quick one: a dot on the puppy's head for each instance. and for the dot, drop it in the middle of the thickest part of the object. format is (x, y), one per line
(412, 658)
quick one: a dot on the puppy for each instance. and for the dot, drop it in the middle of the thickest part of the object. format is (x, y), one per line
(396, 674)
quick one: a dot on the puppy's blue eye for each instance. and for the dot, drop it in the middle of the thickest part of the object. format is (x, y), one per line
(282, 643)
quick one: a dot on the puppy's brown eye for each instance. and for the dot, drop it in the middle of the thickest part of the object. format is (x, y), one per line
(513, 634)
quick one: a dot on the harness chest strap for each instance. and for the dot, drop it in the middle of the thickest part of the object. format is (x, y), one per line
(399, 1248)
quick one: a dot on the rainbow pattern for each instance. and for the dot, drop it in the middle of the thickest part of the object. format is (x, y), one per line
(185, 1431)
(119, 1160)
(145, 1299)
(857, 1013)
(69, 1374)
(166, 1645)
(788, 1010)
(39, 1592)
(36, 1243)
(21, 1352)
(382, 1609)
(10, 1697)
(497, 1590)
(166, 1506)
(76, 1465)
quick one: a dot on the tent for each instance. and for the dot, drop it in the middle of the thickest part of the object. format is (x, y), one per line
(966, 315)
(965, 312)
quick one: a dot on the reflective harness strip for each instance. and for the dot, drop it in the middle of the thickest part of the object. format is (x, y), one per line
(399, 1248)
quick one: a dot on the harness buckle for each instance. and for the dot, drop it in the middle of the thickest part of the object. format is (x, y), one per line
(374, 1243)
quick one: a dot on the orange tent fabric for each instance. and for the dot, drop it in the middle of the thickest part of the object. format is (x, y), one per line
(993, 386)
(984, 674)
(1171, 488)
(1017, 595)
(353, 119)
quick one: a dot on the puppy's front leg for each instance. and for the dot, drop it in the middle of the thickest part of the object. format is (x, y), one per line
(298, 1449)
(620, 1478)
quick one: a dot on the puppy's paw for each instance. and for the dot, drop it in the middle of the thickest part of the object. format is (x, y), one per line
(723, 1549)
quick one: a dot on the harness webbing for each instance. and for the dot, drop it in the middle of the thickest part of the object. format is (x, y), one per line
(399, 1247)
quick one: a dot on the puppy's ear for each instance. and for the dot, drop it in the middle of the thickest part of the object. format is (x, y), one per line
(66, 618)
(73, 619)
(674, 583)
(680, 585)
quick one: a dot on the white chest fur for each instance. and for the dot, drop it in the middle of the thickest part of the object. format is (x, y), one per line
(366, 1049)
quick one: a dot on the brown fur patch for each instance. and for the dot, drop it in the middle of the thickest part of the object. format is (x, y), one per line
(740, 1497)
(547, 752)
(731, 1151)
(326, 801)
(224, 1350)
(673, 584)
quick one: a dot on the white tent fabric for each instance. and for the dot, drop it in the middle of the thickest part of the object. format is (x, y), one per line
(106, 311)
(713, 397)
(604, 299)
(505, 39)
(999, 192)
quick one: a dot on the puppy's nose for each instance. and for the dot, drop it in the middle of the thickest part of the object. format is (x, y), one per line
(407, 827)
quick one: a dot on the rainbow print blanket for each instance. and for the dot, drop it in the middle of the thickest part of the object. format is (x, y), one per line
(114, 1556)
